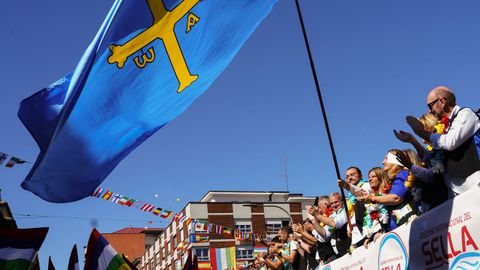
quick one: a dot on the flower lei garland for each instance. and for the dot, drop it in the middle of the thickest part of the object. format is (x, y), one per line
(440, 128)
(327, 213)
(375, 215)
(410, 182)
(330, 213)
(437, 157)
(387, 188)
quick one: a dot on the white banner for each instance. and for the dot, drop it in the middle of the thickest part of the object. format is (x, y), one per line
(448, 237)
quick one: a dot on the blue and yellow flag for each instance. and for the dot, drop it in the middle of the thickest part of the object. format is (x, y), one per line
(149, 61)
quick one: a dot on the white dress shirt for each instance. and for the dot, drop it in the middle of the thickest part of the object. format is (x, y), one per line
(465, 125)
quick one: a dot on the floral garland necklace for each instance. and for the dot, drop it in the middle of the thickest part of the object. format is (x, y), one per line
(440, 128)
(328, 212)
(410, 182)
(436, 160)
(385, 190)
(375, 214)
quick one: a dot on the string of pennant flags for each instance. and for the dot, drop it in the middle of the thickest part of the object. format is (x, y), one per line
(166, 214)
(202, 238)
(146, 207)
(12, 161)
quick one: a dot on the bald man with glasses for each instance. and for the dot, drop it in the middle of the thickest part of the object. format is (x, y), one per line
(460, 142)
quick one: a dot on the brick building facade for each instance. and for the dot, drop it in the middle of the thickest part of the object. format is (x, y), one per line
(258, 212)
(132, 242)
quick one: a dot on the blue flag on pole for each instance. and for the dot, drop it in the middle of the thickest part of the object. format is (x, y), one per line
(148, 62)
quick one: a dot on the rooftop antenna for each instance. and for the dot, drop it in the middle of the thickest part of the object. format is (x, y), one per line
(285, 159)
(170, 194)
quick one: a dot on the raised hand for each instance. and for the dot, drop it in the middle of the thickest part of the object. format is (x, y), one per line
(403, 136)
(298, 228)
(361, 193)
(404, 159)
(343, 184)
(417, 127)
(310, 209)
(366, 199)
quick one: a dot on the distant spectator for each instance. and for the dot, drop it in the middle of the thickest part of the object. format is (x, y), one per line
(336, 225)
(307, 242)
(320, 232)
(286, 250)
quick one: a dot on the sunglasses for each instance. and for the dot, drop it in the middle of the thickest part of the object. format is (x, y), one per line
(431, 104)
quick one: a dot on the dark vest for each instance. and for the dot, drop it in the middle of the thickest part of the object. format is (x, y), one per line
(300, 262)
(312, 262)
(359, 215)
(463, 161)
(325, 251)
(343, 242)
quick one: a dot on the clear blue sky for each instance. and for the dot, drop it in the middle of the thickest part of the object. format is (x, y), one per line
(375, 60)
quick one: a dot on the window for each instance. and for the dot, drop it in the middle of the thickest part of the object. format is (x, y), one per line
(157, 259)
(243, 226)
(245, 253)
(272, 226)
(152, 266)
(202, 254)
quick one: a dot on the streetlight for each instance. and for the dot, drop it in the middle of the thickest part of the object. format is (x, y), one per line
(272, 206)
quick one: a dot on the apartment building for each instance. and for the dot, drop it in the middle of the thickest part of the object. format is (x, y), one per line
(258, 212)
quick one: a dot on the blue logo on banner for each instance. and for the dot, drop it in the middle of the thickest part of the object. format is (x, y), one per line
(396, 239)
(466, 261)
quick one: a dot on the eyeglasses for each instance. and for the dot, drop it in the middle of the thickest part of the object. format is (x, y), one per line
(431, 104)
(352, 174)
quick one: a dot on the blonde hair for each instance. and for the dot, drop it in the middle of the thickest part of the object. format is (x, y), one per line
(413, 156)
(381, 175)
(429, 122)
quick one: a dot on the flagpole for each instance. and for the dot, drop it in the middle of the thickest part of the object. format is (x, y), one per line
(322, 106)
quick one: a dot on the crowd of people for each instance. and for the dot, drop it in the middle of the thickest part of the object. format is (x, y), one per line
(410, 183)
